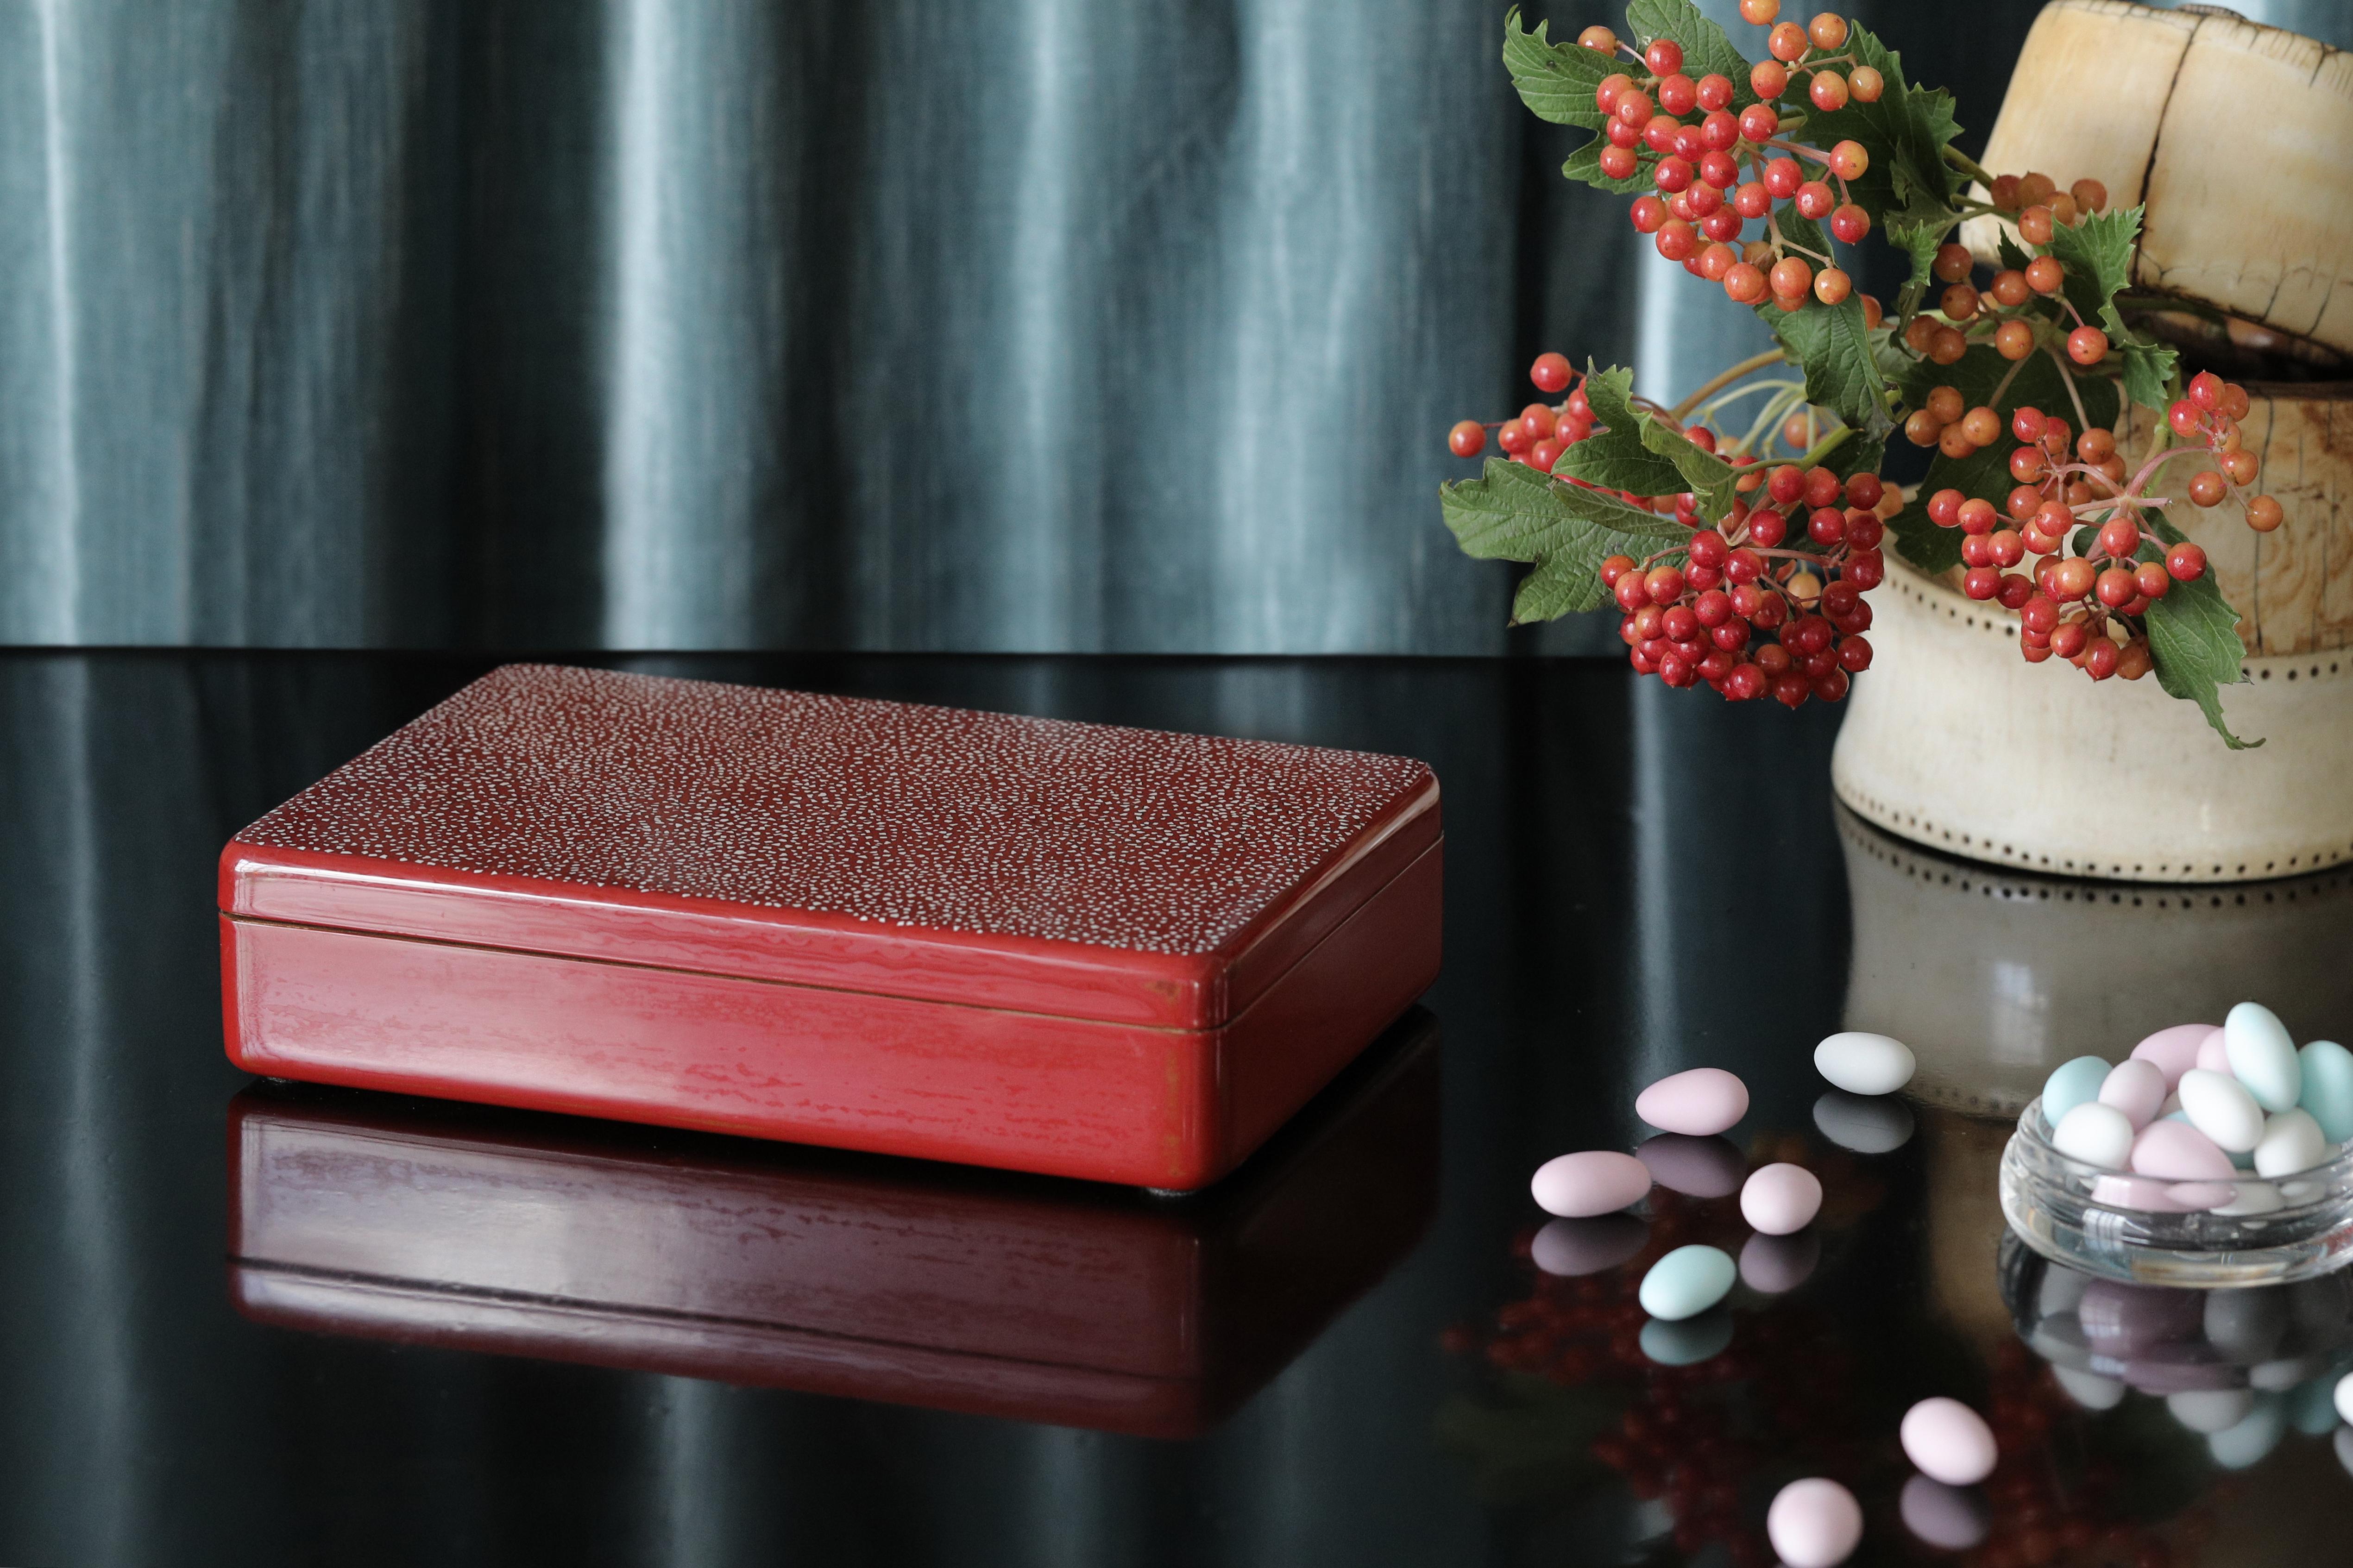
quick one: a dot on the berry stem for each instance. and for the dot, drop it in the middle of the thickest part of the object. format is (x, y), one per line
(2003, 385)
(1723, 379)
(2083, 420)
(1968, 166)
(1826, 446)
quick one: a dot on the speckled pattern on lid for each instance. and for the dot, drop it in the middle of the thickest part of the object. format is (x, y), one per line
(889, 812)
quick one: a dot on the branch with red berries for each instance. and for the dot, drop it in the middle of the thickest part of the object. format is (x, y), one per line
(1754, 506)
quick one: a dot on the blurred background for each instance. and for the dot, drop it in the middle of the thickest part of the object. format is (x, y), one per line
(1013, 325)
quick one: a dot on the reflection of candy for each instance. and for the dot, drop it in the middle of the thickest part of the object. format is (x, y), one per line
(2089, 1389)
(2236, 1448)
(2247, 1198)
(1861, 1123)
(1780, 1199)
(1773, 1264)
(2062, 1290)
(1949, 1441)
(1574, 1247)
(2261, 1056)
(2210, 1410)
(2181, 1370)
(2245, 1325)
(1952, 1518)
(1864, 1063)
(1688, 1343)
(1814, 1523)
(2312, 1407)
(2344, 1445)
(1591, 1182)
(1697, 1167)
(1700, 1102)
(1686, 1282)
(2127, 1319)
(2133, 1193)
(2345, 1397)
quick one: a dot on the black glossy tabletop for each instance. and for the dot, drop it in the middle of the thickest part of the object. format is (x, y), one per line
(1345, 1355)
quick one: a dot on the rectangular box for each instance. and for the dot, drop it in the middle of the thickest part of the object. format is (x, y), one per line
(1072, 949)
(498, 1231)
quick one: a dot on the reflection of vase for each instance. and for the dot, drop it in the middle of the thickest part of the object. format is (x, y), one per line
(900, 1280)
(1993, 978)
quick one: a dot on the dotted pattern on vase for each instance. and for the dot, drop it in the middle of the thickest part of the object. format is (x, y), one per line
(895, 813)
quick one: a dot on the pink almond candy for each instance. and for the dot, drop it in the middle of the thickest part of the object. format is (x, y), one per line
(1700, 1102)
(1949, 1442)
(2137, 1088)
(2212, 1054)
(1594, 1181)
(2175, 1050)
(2176, 1151)
(1780, 1199)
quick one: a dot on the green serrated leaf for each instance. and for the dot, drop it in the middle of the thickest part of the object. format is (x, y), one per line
(2098, 253)
(2013, 257)
(1556, 81)
(1706, 49)
(2149, 368)
(1584, 165)
(1615, 456)
(1511, 513)
(1708, 476)
(1835, 349)
(2193, 638)
(1906, 132)
(1985, 473)
(1918, 232)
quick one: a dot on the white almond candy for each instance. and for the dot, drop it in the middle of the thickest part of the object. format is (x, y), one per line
(2222, 1108)
(2291, 1143)
(2095, 1134)
(1864, 1063)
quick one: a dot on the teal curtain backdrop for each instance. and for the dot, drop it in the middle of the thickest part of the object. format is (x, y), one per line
(1006, 324)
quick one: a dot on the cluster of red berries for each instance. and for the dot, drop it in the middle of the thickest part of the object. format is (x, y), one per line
(2086, 607)
(1539, 433)
(2207, 416)
(1696, 148)
(2001, 308)
(1698, 622)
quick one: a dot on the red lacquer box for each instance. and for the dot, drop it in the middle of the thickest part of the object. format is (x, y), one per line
(1085, 950)
(488, 1230)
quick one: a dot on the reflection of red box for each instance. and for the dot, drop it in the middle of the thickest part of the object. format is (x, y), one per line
(1065, 948)
(834, 1273)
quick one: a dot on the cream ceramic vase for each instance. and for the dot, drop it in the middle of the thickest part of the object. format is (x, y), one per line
(1953, 739)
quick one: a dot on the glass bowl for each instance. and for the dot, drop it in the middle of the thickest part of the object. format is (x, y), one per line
(2201, 1235)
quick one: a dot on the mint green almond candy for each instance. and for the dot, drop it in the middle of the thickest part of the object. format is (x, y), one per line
(2263, 1055)
(2072, 1084)
(1687, 1282)
(2328, 1088)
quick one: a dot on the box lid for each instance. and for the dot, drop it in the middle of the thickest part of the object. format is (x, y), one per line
(1082, 870)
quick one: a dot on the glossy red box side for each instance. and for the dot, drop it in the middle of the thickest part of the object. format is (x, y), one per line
(1156, 1107)
(1072, 949)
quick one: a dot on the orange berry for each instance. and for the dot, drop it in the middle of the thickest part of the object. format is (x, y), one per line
(2264, 514)
(1828, 30)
